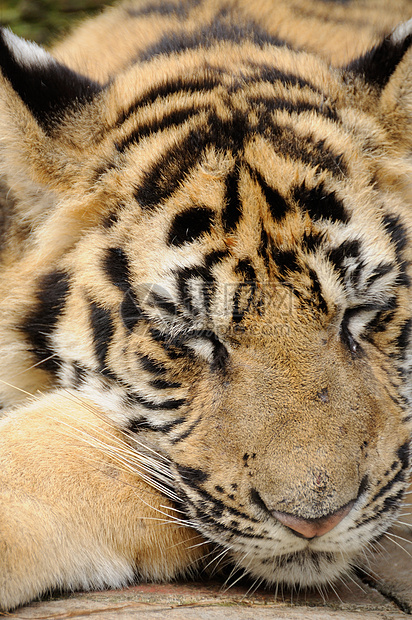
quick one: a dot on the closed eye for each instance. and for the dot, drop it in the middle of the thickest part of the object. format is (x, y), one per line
(353, 323)
(356, 320)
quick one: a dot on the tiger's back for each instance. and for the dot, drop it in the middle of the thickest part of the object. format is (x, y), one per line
(207, 244)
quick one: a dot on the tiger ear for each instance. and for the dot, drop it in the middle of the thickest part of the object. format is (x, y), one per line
(45, 86)
(387, 71)
(36, 94)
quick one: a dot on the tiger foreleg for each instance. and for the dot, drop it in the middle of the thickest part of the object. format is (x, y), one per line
(75, 512)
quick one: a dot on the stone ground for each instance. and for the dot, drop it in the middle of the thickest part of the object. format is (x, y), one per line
(383, 592)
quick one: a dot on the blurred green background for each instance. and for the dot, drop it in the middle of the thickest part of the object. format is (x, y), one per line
(43, 20)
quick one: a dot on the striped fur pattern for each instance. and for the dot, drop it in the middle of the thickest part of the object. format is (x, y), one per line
(206, 268)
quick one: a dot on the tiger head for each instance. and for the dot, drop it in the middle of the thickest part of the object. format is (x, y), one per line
(219, 258)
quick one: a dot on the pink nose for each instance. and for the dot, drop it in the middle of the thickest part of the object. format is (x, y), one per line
(311, 528)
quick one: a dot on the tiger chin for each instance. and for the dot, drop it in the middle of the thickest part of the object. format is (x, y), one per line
(205, 302)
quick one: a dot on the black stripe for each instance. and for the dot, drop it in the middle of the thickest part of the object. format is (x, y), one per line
(347, 249)
(271, 74)
(220, 353)
(116, 267)
(404, 454)
(103, 169)
(202, 272)
(130, 311)
(80, 374)
(392, 502)
(108, 373)
(238, 313)
(399, 477)
(286, 261)
(142, 424)
(229, 133)
(204, 515)
(381, 270)
(138, 425)
(397, 232)
(321, 204)
(403, 278)
(180, 85)
(316, 289)
(172, 119)
(151, 365)
(277, 204)
(356, 273)
(219, 507)
(102, 326)
(381, 320)
(264, 73)
(213, 258)
(187, 432)
(183, 277)
(232, 209)
(312, 240)
(176, 163)
(345, 333)
(307, 149)
(50, 298)
(273, 104)
(170, 404)
(398, 399)
(167, 174)
(210, 260)
(263, 249)
(163, 304)
(246, 270)
(367, 307)
(189, 225)
(192, 477)
(161, 384)
(404, 339)
(173, 346)
(110, 220)
(209, 35)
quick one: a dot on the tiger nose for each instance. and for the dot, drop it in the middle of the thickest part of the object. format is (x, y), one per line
(312, 528)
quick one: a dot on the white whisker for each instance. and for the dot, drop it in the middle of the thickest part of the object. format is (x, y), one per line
(15, 387)
(389, 536)
(218, 558)
(42, 361)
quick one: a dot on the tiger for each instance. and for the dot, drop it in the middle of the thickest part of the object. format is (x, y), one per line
(205, 315)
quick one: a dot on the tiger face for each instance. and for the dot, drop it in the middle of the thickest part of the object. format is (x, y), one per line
(220, 238)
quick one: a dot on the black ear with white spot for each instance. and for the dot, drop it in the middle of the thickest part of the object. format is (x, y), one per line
(44, 85)
(378, 65)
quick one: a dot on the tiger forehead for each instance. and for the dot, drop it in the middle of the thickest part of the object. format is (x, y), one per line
(221, 172)
(240, 160)
(248, 214)
(226, 68)
(218, 127)
(200, 147)
(243, 93)
(257, 109)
